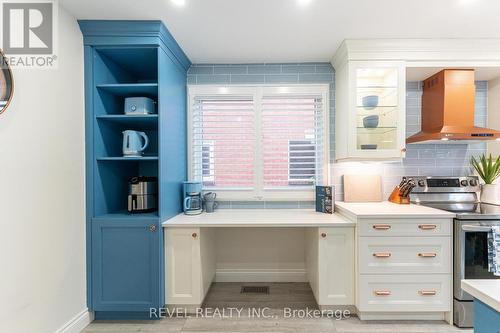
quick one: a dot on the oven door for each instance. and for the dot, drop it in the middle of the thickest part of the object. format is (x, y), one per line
(470, 253)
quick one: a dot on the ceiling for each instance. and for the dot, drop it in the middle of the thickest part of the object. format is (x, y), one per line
(265, 31)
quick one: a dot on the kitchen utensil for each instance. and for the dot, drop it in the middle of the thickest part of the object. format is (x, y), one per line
(369, 147)
(210, 204)
(139, 106)
(132, 145)
(362, 188)
(401, 193)
(371, 121)
(192, 202)
(370, 102)
(142, 194)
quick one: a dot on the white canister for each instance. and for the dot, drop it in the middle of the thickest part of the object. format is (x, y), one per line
(490, 193)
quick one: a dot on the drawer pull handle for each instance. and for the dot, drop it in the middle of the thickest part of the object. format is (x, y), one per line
(382, 292)
(382, 254)
(381, 226)
(427, 226)
(427, 254)
(427, 292)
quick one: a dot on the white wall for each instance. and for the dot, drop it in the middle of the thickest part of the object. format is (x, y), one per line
(42, 241)
(260, 255)
(494, 113)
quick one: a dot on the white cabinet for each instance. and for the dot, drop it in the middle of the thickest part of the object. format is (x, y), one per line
(190, 265)
(404, 268)
(389, 255)
(370, 109)
(330, 265)
(404, 293)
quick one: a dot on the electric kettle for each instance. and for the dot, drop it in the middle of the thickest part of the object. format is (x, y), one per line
(134, 143)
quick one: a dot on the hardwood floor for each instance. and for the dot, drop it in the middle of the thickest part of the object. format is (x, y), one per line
(277, 307)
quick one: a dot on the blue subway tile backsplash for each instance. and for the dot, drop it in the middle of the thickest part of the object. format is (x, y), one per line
(421, 159)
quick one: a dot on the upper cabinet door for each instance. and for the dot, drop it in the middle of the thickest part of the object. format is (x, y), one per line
(373, 113)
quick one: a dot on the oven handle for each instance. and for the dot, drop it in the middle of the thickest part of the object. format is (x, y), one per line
(476, 228)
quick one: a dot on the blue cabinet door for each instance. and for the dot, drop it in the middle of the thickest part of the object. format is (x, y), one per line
(125, 264)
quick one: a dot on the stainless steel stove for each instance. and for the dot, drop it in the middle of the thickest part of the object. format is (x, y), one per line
(473, 221)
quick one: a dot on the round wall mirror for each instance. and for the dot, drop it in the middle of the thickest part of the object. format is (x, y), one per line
(6, 83)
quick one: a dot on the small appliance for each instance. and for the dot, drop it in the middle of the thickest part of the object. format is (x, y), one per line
(471, 226)
(193, 202)
(139, 106)
(134, 143)
(142, 194)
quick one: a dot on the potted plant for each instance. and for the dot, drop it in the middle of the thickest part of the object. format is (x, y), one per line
(488, 169)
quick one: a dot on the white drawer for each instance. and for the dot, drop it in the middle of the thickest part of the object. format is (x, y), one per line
(402, 293)
(404, 227)
(404, 255)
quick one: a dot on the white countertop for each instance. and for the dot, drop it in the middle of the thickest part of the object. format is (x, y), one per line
(259, 218)
(487, 291)
(387, 209)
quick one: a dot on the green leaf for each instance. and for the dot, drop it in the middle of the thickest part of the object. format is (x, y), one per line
(486, 167)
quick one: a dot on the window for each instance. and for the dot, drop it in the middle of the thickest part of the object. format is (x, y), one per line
(301, 163)
(208, 163)
(254, 142)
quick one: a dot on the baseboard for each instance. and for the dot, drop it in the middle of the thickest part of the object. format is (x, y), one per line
(77, 323)
(261, 275)
(401, 315)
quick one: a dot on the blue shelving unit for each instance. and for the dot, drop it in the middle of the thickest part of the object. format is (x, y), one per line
(125, 263)
(130, 89)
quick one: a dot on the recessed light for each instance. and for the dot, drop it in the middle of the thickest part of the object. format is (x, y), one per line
(303, 3)
(179, 3)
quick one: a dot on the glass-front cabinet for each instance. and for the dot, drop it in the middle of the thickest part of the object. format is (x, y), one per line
(370, 110)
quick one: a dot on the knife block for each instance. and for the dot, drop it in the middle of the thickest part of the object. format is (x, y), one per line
(396, 198)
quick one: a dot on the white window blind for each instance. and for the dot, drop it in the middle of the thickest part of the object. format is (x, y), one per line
(292, 141)
(223, 139)
(259, 142)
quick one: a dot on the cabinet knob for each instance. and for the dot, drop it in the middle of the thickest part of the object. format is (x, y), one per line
(403, 150)
(194, 235)
(427, 226)
(323, 235)
(427, 254)
(382, 292)
(427, 292)
(152, 228)
(381, 226)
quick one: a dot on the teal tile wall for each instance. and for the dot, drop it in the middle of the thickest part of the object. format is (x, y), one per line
(437, 160)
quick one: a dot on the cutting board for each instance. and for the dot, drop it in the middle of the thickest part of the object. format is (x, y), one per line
(362, 188)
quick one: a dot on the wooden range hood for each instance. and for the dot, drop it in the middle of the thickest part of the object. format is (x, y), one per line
(448, 109)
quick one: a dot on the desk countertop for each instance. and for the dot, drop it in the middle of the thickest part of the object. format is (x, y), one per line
(259, 218)
(387, 209)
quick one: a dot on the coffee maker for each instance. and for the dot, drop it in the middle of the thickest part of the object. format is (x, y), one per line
(193, 203)
(142, 194)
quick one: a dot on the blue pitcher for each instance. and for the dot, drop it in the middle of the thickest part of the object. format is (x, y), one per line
(134, 143)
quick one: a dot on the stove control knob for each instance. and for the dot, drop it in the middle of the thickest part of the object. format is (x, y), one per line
(463, 182)
(473, 182)
(421, 183)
